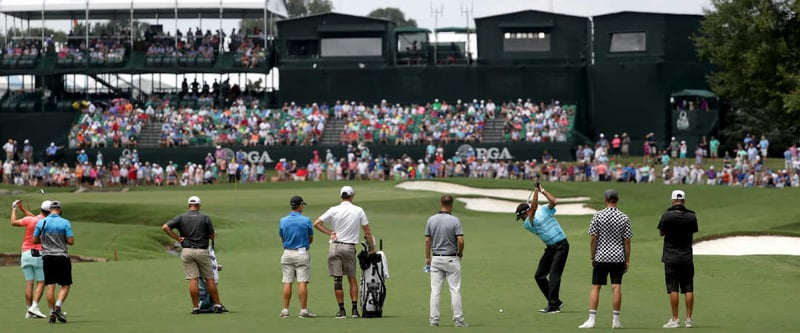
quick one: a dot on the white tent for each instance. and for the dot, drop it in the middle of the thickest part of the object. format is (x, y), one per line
(139, 9)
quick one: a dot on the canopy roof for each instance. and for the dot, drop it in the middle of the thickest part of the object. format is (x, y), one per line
(694, 92)
(408, 30)
(142, 9)
(458, 30)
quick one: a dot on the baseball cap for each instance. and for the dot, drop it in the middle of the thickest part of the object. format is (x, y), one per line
(194, 200)
(347, 191)
(678, 195)
(296, 201)
(611, 195)
(46, 204)
(55, 204)
(522, 211)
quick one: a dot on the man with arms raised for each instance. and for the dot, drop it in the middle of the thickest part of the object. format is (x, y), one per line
(345, 219)
(677, 226)
(542, 222)
(31, 258)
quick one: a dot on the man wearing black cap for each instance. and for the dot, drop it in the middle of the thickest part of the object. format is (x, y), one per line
(610, 252)
(296, 234)
(543, 223)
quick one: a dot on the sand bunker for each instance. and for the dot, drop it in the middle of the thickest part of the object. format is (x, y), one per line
(508, 207)
(749, 245)
(488, 203)
(510, 194)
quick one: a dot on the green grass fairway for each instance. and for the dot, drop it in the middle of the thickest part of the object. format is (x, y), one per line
(145, 291)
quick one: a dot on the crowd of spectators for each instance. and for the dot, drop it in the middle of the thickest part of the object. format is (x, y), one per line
(191, 45)
(241, 123)
(530, 122)
(441, 122)
(23, 47)
(387, 123)
(250, 54)
(104, 48)
(244, 121)
(739, 167)
(116, 123)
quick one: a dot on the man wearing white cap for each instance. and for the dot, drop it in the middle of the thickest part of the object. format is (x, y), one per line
(31, 258)
(27, 150)
(195, 230)
(344, 219)
(677, 226)
(51, 151)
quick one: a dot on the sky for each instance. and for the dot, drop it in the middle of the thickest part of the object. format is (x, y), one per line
(452, 10)
(452, 14)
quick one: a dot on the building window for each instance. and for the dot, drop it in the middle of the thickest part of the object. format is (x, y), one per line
(352, 47)
(628, 42)
(303, 48)
(529, 41)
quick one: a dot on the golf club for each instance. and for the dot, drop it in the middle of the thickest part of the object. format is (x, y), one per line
(27, 196)
(535, 188)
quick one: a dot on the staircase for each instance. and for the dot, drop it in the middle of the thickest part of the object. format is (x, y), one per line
(150, 134)
(493, 130)
(333, 129)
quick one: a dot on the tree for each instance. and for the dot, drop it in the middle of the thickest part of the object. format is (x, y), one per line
(296, 8)
(395, 15)
(754, 46)
(36, 33)
(300, 8)
(319, 7)
(252, 24)
(116, 27)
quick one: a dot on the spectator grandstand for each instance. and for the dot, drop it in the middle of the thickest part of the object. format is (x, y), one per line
(194, 118)
(22, 52)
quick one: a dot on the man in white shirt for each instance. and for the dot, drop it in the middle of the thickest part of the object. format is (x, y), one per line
(344, 219)
(9, 148)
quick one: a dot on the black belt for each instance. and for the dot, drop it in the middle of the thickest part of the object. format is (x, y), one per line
(563, 241)
(196, 247)
(445, 255)
(338, 242)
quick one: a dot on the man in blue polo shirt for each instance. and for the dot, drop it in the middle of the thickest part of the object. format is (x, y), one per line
(543, 223)
(297, 234)
(55, 233)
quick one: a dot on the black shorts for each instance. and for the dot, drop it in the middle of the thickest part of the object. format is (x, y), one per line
(679, 277)
(602, 270)
(57, 270)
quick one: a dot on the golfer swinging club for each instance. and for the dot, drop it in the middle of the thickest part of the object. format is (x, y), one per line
(542, 222)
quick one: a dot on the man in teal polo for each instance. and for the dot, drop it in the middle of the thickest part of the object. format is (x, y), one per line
(542, 222)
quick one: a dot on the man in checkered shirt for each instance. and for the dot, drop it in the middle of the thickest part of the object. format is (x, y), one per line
(610, 248)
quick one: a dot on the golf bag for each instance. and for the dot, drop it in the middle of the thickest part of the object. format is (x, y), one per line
(374, 272)
(206, 303)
